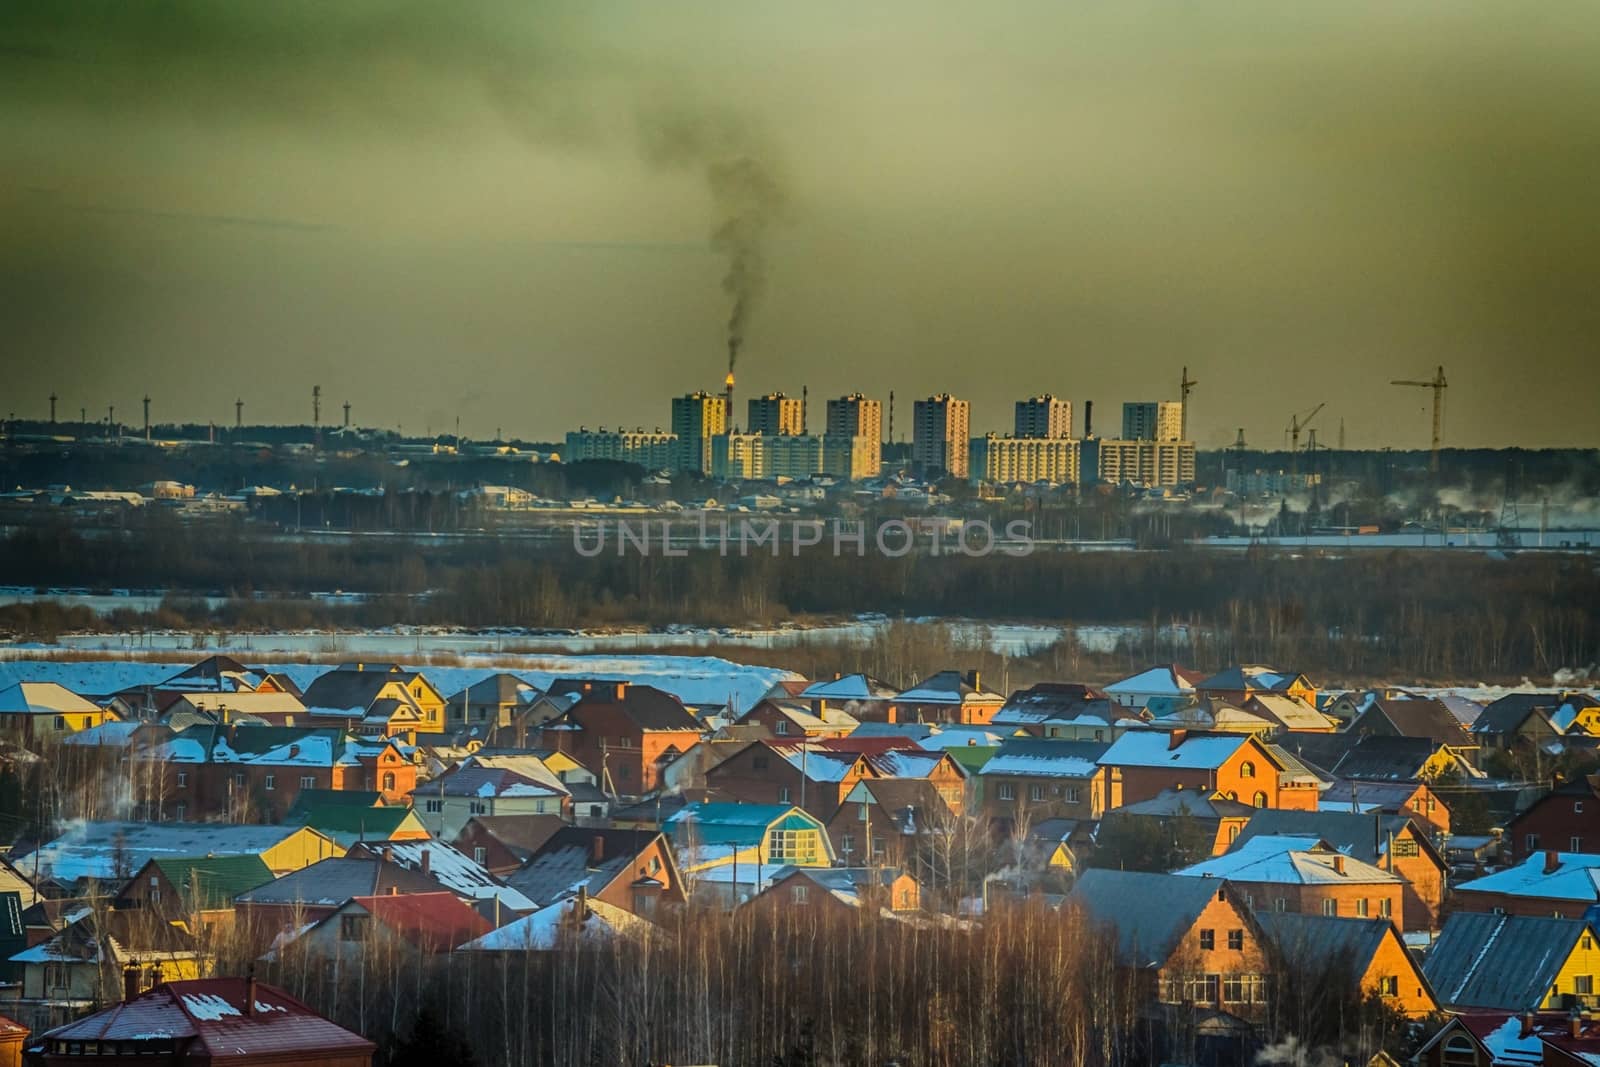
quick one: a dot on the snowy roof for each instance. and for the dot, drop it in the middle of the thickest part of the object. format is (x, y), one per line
(819, 765)
(948, 687)
(470, 780)
(91, 850)
(43, 698)
(1154, 748)
(546, 927)
(452, 869)
(113, 734)
(1288, 860)
(1292, 712)
(1165, 680)
(849, 687)
(1046, 759)
(1576, 877)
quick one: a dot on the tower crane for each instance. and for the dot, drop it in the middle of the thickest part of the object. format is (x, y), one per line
(1438, 385)
(1296, 424)
(1186, 385)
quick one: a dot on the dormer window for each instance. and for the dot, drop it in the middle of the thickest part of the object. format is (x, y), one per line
(1247, 769)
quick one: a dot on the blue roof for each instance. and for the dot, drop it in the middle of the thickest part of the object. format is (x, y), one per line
(723, 823)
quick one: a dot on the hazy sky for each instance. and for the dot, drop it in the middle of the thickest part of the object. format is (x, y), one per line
(501, 210)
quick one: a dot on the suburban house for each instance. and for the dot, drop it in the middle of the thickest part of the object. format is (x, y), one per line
(573, 920)
(110, 852)
(502, 843)
(624, 732)
(730, 852)
(451, 870)
(236, 1020)
(379, 699)
(860, 696)
(1048, 779)
(1235, 685)
(1393, 843)
(312, 893)
(1531, 1039)
(76, 969)
(1064, 710)
(1566, 818)
(887, 821)
(1411, 717)
(766, 773)
(256, 773)
(1415, 800)
(1191, 940)
(794, 718)
(1550, 883)
(1304, 876)
(352, 824)
(488, 704)
(471, 788)
(428, 923)
(1289, 712)
(522, 730)
(271, 708)
(1513, 963)
(1517, 720)
(1217, 822)
(1236, 766)
(192, 892)
(32, 711)
(823, 893)
(1372, 949)
(627, 869)
(1163, 687)
(949, 696)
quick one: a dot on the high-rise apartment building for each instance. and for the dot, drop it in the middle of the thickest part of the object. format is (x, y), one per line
(940, 436)
(696, 419)
(1030, 459)
(856, 417)
(1153, 420)
(653, 450)
(1044, 416)
(775, 414)
(1151, 464)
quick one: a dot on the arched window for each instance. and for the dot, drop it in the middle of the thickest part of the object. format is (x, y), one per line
(1247, 769)
(1458, 1050)
(388, 782)
(1260, 800)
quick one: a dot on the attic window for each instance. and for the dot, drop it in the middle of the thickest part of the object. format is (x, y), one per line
(1247, 769)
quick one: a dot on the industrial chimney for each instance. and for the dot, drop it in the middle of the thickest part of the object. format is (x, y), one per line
(1088, 418)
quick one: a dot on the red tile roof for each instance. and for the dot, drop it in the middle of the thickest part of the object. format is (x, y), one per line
(211, 1015)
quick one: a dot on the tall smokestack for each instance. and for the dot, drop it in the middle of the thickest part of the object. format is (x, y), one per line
(1088, 418)
(727, 399)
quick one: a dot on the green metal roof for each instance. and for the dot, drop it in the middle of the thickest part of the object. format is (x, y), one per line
(342, 819)
(322, 798)
(213, 881)
(972, 757)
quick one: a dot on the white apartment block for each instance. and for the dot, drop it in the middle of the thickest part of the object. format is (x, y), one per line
(1044, 416)
(1031, 459)
(653, 450)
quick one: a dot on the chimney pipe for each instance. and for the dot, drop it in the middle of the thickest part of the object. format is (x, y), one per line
(1552, 861)
(597, 850)
(1575, 1024)
(250, 993)
(1338, 863)
(1175, 738)
(130, 982)
(427, 862)
(1527, 1025)
(622, 690)
(388, 854)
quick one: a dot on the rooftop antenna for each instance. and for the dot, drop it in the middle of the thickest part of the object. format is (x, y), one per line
(52, 409)
(147, 418)
(1186, 385)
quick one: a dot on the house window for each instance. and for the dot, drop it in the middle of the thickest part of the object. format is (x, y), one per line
(270, 782)
(1577, 807)
(781, 727)
(238, 779)
(1260, 800)
(847, 844)
(480, 855)
(1583, 985)
(1036, 792)
(792, 846)
(1247, 769)
(1208, 940)
(434, 807)
(308, 782)
(1243, 989)
(1460, 1052)
(1574, 844)
(758, 763)
(183, 779)
(1532, 841)
(1280, 905)
(352, 927)
(477, 807)
(798, 893)
(1233, 833)
(1074, 795)
(388, 782)
(1007, 791)
(1330, 907)
(1588, 942)
(180, 811)
(877, 848)
(1236, 940)
(1406, 847)
(1389, 986)
(783, 795)
(61, 722)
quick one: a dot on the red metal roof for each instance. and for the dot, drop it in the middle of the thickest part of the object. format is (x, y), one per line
(436, 922)
(211, 1014)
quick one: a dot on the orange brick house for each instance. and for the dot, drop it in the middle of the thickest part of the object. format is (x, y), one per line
(1561, 884)
(1372, 948)
(808, 776)
(835, 893)
(1191, 940)
(1240, 767)
(949, 696)
(1304, 876)
(626, 733)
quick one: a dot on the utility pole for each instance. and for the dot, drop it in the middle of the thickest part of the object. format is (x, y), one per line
(147, 418)
(1186, 385)
(238, 414)
(316, 413)
(1437, 384)
(347, 414)
(52, 409)
(111, 420)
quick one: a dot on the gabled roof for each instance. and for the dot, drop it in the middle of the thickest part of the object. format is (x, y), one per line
(498, 688)
(1247, 677)
(1046, 759)
(1499, 961)
(1168, 679)
(1361, 837)
(92, 850)
(349, 824)
(1321, 750)
(331, 882)
(43, 698)
(1505, 716)
(1058, 702)
(1383, 758)
(577, 857)
(522, 835)
(434, 922)
(1576, 878)
(1170, 803)
(721, 823)
(322, 798)
(647, 707)
(220, 1017)
(1161, 748)
(470, 780)
(1311, 942)
(350, 692)
(1285, 860)
(1150, 912)
(912, 805)
(1416, 718)
(212, 881)
(947, 687)
(1290, 712)
(544, 929)
(448, 867)
(849, 687)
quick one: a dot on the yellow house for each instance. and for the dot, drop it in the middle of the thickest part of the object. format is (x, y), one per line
(1514, 963)
(31, 710)
(377, 695)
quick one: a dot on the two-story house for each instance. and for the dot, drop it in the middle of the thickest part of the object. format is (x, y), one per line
(625, 733)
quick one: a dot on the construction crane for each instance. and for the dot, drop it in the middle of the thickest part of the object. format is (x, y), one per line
(1296, 424)
(1186, 384)
(1438, 385)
